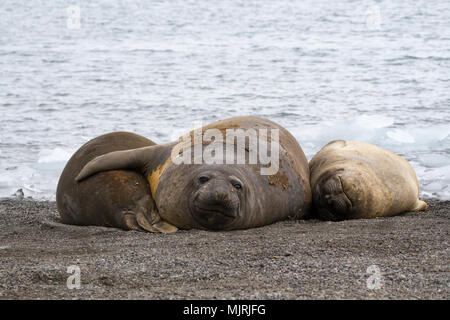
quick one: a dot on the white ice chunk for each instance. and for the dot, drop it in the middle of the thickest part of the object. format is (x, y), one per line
(54, 155)
(400, 135)
(373, 121)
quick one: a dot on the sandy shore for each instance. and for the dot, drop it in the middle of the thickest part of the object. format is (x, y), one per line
(287, 260)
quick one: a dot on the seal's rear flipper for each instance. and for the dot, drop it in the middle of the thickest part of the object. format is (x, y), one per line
(144, 159)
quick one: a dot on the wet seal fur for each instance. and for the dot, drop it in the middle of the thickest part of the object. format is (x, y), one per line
(211, 196)
(351, 180)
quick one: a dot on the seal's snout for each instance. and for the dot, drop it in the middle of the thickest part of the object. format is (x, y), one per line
(217, 199)
(331, 200)
(215, 204)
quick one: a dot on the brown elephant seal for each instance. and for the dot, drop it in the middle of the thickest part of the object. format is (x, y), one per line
(228, 175)
(118, 198)
(351, 180)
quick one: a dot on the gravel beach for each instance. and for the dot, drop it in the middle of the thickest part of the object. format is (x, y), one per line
(287, 260)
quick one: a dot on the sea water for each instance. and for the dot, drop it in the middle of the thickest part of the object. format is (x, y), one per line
(374, 71)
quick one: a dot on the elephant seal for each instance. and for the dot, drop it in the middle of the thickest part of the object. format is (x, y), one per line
(194, 184)
(351, 180)
(119, 198)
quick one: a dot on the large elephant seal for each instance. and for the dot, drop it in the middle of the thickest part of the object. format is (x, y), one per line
(351, 180)
(119, 198)
(201, 182)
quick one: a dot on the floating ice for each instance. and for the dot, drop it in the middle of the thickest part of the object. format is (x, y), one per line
(401, 136)
(54, 155)
(373, 121)
(430, 160)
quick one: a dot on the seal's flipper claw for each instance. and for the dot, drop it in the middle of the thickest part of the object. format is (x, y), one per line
(144, 223)
(165, 227)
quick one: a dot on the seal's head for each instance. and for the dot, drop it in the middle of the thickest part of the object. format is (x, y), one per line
(346, 193)
(211, 197)
(216, 201)
(330, 198)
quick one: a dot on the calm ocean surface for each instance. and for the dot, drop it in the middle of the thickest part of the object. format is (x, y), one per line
(358, 70)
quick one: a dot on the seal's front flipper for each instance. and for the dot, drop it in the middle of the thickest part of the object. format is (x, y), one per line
(148, 218)
(420, 206)
(165, 227)
(129, 220)
(154, 223)
(144, 223)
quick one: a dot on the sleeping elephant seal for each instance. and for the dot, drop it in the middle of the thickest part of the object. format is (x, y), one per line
(230, 174)
(351, 180)
(119, 198)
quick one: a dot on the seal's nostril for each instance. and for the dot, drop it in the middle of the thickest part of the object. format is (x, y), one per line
(203, 179)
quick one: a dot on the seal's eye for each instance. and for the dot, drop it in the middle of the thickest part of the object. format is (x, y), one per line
(236, 182)
(203, 179)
